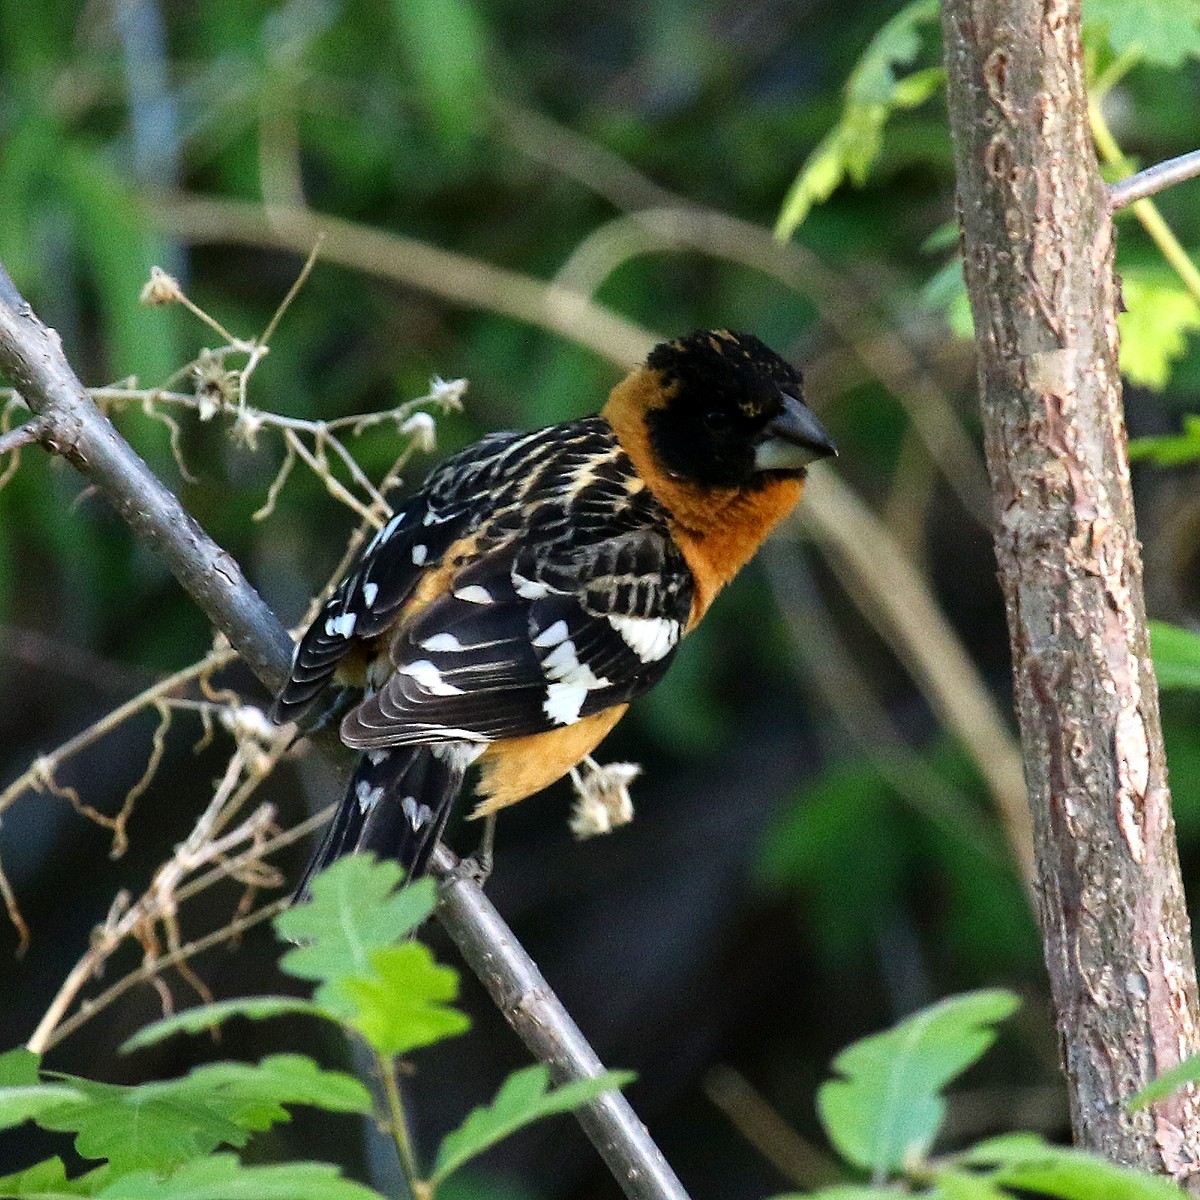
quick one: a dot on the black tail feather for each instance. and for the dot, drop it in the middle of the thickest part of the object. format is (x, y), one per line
(396, 805)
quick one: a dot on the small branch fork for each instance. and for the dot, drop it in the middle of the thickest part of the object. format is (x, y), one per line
(67, 422)
(1153, 180)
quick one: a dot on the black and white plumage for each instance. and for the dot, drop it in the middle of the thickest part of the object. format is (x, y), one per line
(559, 594)
(509, 610)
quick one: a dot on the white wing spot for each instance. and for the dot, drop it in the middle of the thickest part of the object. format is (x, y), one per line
(375, 757)
(553, 635)
(370, 591)
(650, 638)
(571, 679)
(474, 594)
(529, 589)
(367, 795)
(442, 641)
(430, 518)
(385, 533)
(419, 553)
(563, 702)
(342, 626)
(419, 815)
(429, 677)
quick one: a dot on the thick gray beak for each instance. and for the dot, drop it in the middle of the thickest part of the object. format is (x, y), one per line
(793, 439)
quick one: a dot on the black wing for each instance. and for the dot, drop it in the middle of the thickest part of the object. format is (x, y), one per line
(532, 639)
(380, 582)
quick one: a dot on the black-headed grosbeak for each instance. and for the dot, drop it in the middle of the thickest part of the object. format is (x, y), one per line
(511, 609)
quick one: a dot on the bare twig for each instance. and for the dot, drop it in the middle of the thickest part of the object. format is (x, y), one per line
(1154, 179)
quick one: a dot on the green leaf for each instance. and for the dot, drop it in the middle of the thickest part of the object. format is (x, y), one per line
(21, 1104)
(1160, 313)
(355, 909)
(402, 1004)
(1187, 1071)
(1165, 32)
(45, 1179)
(946, 292)
(961, 1185)
(1176, 654)
(159, 1126)
(222, 1177)
(521, 1100)
(1170, 450)
(873, 93)
(19, 1068)
(206, 1017)
(254, 1093)
(851, 1192)
(1075, 1175)
(887, 1108)
(148, 1127)
(1024, 1161)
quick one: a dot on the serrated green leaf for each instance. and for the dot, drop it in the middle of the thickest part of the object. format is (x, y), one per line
(1187, 1071)
(28, 1103)
(222, 1177)
(207, 1017)
(1165, 32)
(259, 1090)
(159, 1126)
(873, 92)
(1160, 314)
(887, 1108)
(355, 909)
(521, 1100)
(402, 1003)
(1176, 654)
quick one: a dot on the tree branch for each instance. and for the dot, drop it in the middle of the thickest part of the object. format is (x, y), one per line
(1153, 180)
(32, 355)
(1038, 251)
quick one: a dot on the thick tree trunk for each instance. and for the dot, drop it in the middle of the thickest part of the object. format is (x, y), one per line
(1038, 249)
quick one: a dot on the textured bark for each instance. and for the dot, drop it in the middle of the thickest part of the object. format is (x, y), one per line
(1038, 251)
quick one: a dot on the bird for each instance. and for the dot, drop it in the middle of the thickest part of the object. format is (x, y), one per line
(510, 609)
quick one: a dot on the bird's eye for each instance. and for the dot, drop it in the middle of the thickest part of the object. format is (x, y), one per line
(716, 420)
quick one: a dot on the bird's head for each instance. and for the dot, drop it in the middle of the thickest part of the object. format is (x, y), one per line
(731, 412)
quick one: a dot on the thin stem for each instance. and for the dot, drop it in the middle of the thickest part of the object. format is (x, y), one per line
(1146, 211)
(149, 970)
(1154, 179)
(398, 1127)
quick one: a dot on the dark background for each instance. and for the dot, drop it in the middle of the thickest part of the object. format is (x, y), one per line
(776, 896)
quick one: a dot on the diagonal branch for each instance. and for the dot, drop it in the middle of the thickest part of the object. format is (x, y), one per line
(32, 355)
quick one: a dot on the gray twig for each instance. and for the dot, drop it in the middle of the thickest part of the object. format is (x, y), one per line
(1154, 179)
(32, 355)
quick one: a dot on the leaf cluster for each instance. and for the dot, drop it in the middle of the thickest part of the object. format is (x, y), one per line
(159, 1140)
